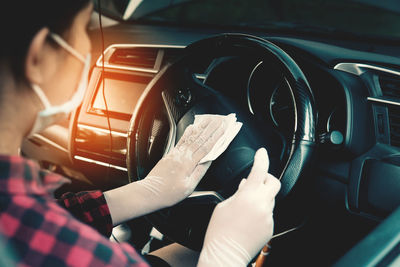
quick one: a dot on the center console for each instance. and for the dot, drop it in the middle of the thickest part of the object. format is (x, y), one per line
(99, 133)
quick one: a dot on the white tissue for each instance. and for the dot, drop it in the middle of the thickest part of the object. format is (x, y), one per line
(232, 129)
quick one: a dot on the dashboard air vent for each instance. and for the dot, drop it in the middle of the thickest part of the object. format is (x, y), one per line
(394, 120)
(139, 57)
(390, 86)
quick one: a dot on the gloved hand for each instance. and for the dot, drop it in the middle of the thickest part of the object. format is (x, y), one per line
(172, 179)
(241, 225)
(177, 174)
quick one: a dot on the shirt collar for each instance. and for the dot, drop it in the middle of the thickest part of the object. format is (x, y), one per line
(22, 176)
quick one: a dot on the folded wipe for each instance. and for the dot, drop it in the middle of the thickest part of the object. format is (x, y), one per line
(231, 130)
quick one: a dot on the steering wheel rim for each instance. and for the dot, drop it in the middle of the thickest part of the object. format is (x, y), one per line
(303, 140)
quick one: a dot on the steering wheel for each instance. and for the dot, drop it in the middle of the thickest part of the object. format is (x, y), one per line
(170, 102)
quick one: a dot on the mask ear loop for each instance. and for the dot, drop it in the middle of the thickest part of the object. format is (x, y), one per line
(61, 42)
(43, 98)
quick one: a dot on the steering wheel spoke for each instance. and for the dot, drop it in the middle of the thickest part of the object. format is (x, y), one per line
(191, 87)
(172, 125)
(203, 197)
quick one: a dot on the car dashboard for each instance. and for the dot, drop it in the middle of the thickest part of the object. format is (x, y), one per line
(356, 92)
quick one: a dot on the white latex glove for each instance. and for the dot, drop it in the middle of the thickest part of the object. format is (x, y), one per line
(177, 174)
(241, 225)
(172, 179)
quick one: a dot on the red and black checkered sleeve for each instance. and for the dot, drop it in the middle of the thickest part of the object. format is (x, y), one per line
(89, 207)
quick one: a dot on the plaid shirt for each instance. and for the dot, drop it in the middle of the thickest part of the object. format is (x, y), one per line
(36, 231)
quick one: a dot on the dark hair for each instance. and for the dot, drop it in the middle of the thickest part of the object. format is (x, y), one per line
(20, 20)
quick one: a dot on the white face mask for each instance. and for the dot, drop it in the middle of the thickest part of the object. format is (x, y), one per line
(51, 114)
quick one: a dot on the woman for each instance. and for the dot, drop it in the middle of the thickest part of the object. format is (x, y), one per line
(44, 64)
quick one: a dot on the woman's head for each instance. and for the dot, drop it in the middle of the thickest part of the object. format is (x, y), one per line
(29, 56)
(21, 20)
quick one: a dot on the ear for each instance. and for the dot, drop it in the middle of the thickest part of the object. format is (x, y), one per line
(34, 57)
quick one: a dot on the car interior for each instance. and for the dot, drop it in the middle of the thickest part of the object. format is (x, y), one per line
(316, 83)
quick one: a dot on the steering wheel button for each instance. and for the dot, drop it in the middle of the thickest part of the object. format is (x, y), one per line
(183, 97)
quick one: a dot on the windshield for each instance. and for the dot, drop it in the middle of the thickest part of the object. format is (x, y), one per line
(370, 18)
